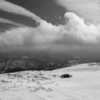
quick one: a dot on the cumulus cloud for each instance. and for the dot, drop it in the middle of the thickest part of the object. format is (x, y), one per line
(74, 34)
(88, 9)
(15, 9)
(2, 20)
(80, 30)
(14, 36)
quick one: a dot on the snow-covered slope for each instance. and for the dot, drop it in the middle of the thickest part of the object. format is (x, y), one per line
(47, 85)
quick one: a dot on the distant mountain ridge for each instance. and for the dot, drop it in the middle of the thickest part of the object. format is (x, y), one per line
(26, 63)
(12, 62)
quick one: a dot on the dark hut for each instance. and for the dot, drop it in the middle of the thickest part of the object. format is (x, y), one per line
(65, 76)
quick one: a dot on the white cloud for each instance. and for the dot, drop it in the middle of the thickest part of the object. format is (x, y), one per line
(15, 9)
(2, 20)
(88, 9)
(74, 34)
(79, 30)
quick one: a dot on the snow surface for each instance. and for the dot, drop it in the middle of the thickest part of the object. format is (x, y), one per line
(47, 85)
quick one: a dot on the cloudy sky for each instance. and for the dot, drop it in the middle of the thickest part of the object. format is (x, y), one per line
(54, 25)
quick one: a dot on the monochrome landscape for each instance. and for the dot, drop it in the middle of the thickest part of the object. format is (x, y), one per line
(49, 50)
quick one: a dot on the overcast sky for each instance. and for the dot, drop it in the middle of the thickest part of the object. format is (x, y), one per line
(56, 25)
